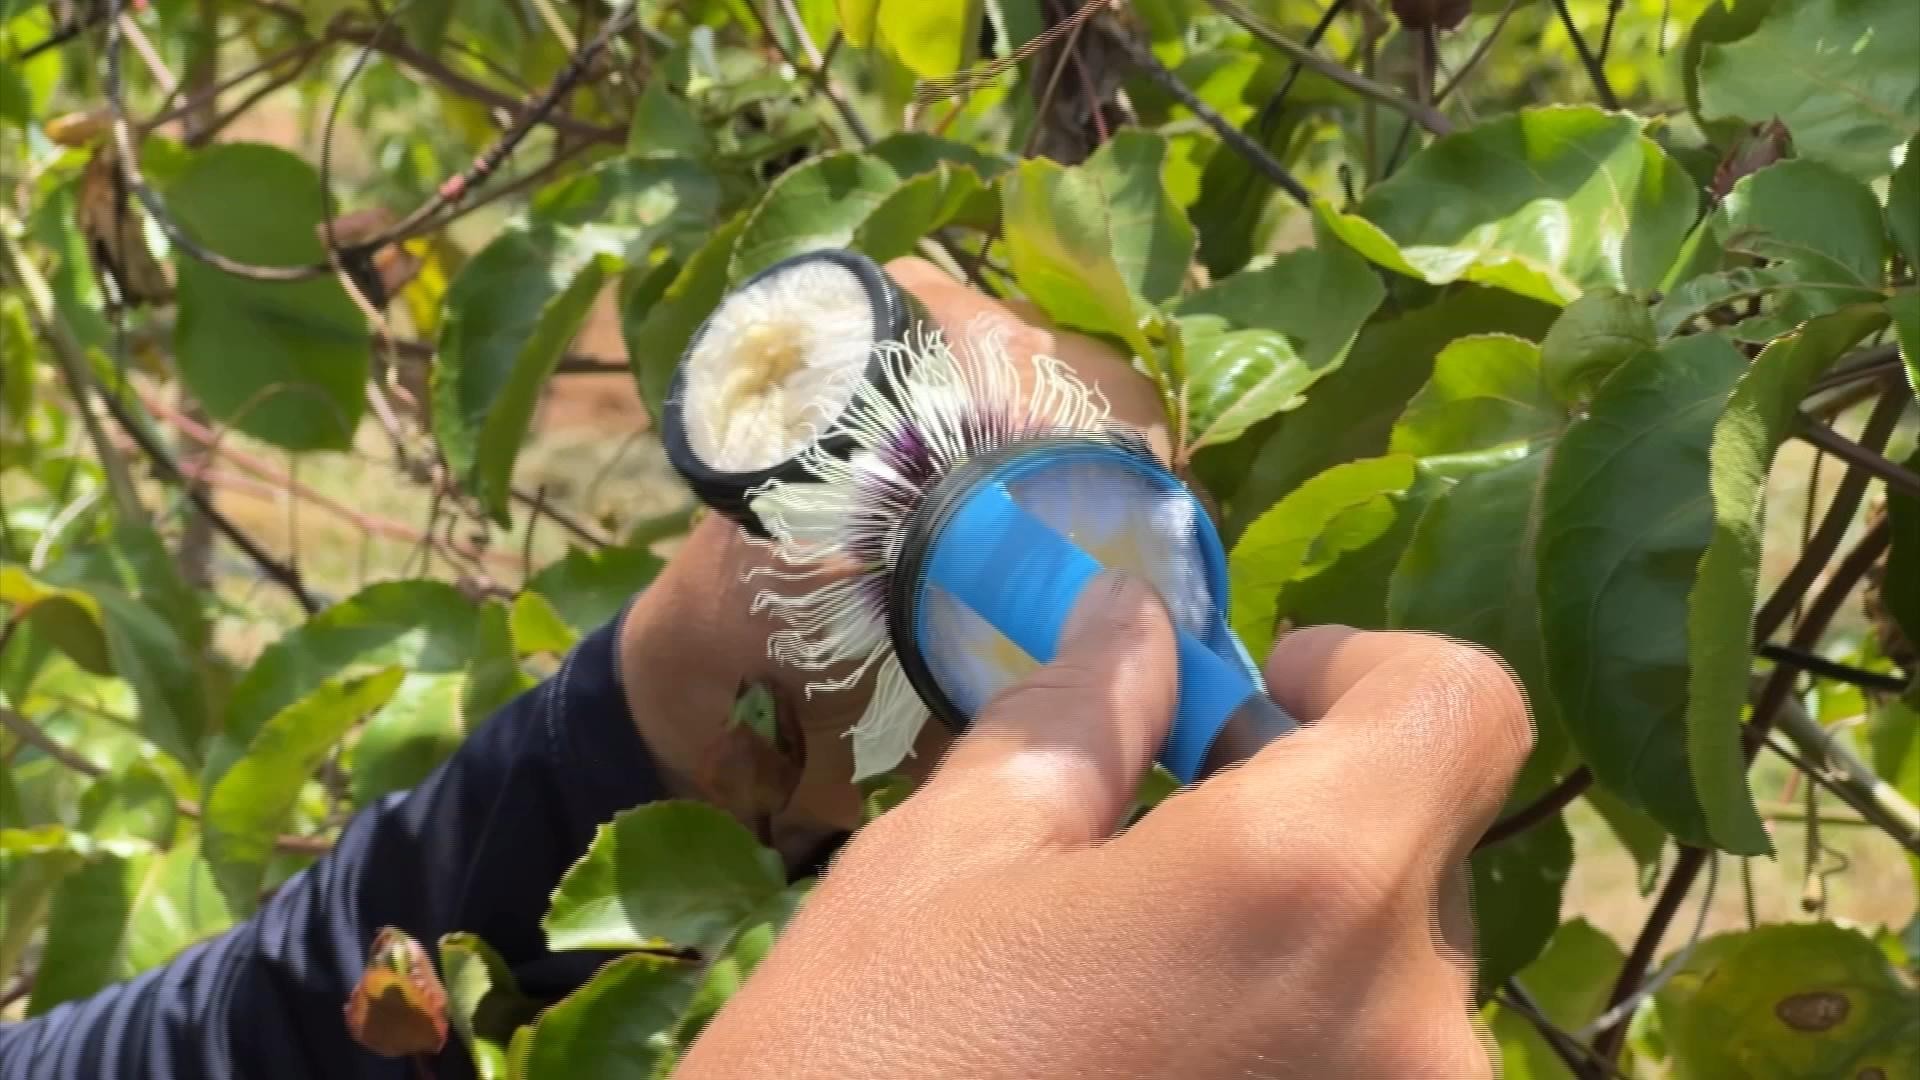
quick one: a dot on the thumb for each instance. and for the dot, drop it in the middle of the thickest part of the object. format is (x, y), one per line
(1059, 755)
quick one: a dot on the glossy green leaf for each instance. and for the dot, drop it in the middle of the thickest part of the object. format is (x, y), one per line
(251, 802)
(1279, 543)
(1839, 73)
(1059, 235)
(1699, 296)
(1596, 334)
(1547, 203)
(1903, 204)
(1152, 240)
(657, 334)
(176, 903)
(69, 618)
(408, 738)
(509, 315)
(1516, 898)
(422, 626)
(285, 362)
(1809, 1001)
(1904, 308)
(1488, 392)
(494, 676)
(133, 803)
(668, 873)
(931, 39)
(1626, 515)
(629, 206)
(1315, 300)
(1569, 981)
(1758, 417)
(858, 19)
(817, 204)
(483, 1001)
(749, 946)
(589, 587)
(916, 208)
(619, 1026)
(537, 626)
(1351, 411)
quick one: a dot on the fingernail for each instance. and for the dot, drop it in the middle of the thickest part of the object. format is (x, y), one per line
(1109, 614)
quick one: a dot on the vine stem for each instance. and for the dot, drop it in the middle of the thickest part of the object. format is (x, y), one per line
(1550, 802)
(1594, 65)
(1766, 710)
(1425, 115)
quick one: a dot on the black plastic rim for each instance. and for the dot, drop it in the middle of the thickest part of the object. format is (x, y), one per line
(894, 315)
(925, 525)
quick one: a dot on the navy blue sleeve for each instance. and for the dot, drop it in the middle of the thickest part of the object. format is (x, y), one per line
(478, 846)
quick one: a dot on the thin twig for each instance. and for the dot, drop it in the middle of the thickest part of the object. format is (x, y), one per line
(31, 733)
(1833, 528)
(1550, 802)
(1595, 71)
(1480, 52)
(1425, 115)
(1858, 457)
(1255, 154)
(1824, 668)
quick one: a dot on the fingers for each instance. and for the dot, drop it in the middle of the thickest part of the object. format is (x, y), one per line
(1054, 762)
(1413, 731)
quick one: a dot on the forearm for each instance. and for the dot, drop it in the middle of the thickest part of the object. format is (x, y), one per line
(478, 846)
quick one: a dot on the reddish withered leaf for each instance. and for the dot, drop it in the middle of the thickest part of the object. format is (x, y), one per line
(399, 1007)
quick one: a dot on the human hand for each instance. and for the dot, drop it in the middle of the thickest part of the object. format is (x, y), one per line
(1302, 915)
(691, 643)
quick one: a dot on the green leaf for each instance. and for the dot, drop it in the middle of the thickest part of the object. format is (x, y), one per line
(1904, 307)
(1569, 981)
(133, 804)
(425, 22)
(1152, 240)
(1488, 392)
(916, 208)
(589, 587)
(1351, 412)
(1467, 572)
(1639, 834)
(1547, 203)
(538, 628)
(664, 125)
(86, 933)
(1807, 1001)
(285, 362)
(1594, 335)
(1903, 204)
(1893, 735)
(1839, 73)
(619, 1026)
(68, 618)
(176, 903)
(666, 874)
(911, 153)
(657, 333)
(251, 802)
(932, 40)
(1698, 296)
(509, 315)
(629, 206)
(1900, 589)
(1821, 222)
(1313, 300)
(1625, 518)
(405, 741)
(858, 20)
(483, 1001)
(749, 946)
(494, 676)
(1059, 237)
(1516, 899)
(1758, 417)
(1282, 541)
(422, 626)
(820, 203)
